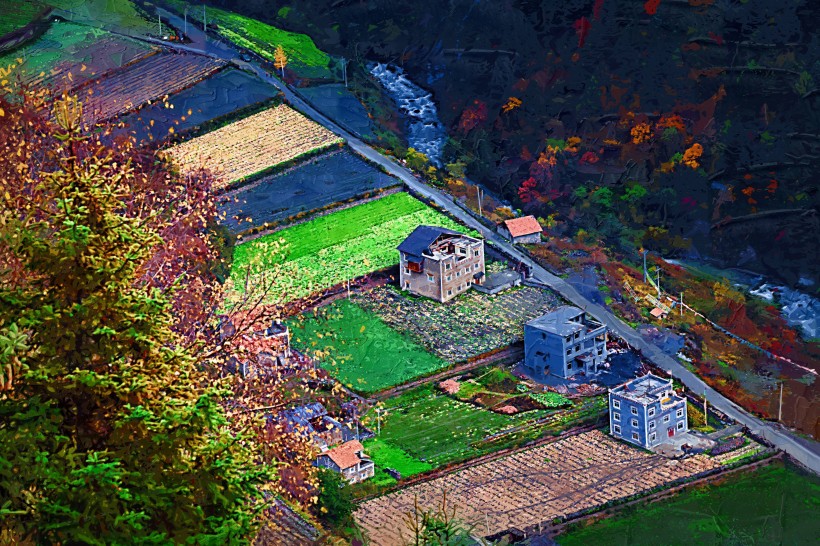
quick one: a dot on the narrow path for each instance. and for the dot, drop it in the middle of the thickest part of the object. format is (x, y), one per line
(807, 452)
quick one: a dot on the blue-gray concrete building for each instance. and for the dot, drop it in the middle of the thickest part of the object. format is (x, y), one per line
(646, 411)
(563, 343)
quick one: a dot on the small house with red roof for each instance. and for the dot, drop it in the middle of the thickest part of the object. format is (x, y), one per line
(349, 460)
(521, 230)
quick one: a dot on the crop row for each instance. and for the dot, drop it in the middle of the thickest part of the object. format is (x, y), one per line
(532, 486)
(143, 82)
(328, 250)
(256, 143)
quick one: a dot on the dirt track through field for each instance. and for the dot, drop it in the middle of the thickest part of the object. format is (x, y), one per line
(532, 486)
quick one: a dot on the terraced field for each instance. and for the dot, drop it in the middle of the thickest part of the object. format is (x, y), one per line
(307, 258)
(321, 181)
(148, 80)
(304, 58)
(466, 326)
(528, 487)
(219, 95)
(254, 144)
(68, 54)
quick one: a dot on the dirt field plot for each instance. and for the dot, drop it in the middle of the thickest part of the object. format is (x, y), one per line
(223, 93)
(532, 486)
(253, 144)
(321, 181)
(466, 326)
(148, 80)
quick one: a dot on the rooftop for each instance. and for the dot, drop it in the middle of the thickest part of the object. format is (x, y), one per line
(562, 321)
(421, 238)
(526, 225)
(345, 455)
(648, 388)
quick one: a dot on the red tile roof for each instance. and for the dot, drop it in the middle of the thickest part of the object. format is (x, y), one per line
(345, 455)
(526, 225)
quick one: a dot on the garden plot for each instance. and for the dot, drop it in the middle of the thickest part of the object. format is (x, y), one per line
(138, 83)
(469, 325)
(359, 349)
(254, 144)
(307, 258)
(528, 487)
(321, 181)
(223, 93)
(436, 429)
(67, 55)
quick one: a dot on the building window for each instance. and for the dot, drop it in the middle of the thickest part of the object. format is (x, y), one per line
(569, 339)
(651, 425)
(634, 435)
(448, 266)
(652, 437)
(450, 292)
(616, 404)
(679, 413)
(476, 252)
(569, 351)
(680, 425)
(634, 423)
(616, 416)
(600, 351)
(634, 410)
(449, 278)
(404, 256)
(577, 335)
(430, 277)
(458, 273)
(577, 348)
(665, 418)
(651, 412)
(406, 270)
(406, 285)
(617, 429)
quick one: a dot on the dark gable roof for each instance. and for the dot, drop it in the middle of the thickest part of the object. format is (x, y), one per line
(421, 239)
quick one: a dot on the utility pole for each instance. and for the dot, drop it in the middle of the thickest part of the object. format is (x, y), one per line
(681, 304)
(378, 422)
(487, 521)
(344, 70)
(480, 211)
(644, 265)
(159, 20)
(185, 15)
(780, 407)
(204, 23)
(705, 411)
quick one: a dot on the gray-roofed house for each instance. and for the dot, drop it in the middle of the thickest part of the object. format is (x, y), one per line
(646, 411)
(313, 422)
(440, 263)
(563, 343)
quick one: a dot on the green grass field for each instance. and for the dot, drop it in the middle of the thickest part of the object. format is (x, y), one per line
(304, 58)
(436, 429)
(385, 455)
(114, 15)
(331, 249)
(361, 350)
(16, 14)
(773, 505)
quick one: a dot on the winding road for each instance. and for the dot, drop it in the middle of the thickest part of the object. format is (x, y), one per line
(807, 452)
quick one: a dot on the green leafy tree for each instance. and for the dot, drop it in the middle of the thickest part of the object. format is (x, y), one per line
(335, 500)
(110, 432)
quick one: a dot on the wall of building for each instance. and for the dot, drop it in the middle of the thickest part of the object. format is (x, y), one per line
(527, 239)
(628, 423)
(437, 281)
(551, 348)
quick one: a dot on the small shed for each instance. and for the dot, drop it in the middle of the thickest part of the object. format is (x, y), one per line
(521, 230)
